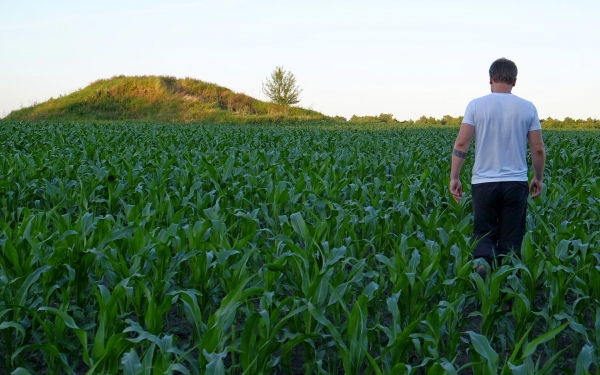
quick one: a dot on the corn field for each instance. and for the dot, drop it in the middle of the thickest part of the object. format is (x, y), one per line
(199, 249)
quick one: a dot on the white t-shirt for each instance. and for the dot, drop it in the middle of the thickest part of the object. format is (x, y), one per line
(501, 123)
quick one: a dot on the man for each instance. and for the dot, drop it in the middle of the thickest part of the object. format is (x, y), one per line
(502, 124)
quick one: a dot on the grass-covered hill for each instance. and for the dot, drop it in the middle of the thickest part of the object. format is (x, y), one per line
(160, 99)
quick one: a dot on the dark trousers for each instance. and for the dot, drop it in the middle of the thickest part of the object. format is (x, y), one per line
(499, 210)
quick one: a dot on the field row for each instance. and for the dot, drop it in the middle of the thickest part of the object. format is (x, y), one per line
(149, 249)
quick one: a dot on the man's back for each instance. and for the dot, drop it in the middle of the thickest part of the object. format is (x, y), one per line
(502, 125)
(502, 122)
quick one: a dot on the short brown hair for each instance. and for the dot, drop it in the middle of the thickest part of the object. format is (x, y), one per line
(503, 70)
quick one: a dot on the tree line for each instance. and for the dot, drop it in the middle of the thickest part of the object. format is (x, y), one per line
(389, 119)
(447, 120)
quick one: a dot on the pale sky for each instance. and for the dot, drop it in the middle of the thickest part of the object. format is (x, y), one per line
(408, 58)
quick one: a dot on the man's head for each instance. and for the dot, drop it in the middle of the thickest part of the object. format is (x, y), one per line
(503, 71)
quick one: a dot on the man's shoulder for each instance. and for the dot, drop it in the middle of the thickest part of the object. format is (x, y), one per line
(495, 98)
(525, 101)
(481, 98)
(474, 102)
(489, 98)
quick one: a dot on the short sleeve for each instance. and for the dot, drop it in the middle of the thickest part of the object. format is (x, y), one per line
(469, 117)
(535, 121)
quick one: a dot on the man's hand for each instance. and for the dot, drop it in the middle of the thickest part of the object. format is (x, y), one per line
(538, 159)
(456, 189)
(535, 188)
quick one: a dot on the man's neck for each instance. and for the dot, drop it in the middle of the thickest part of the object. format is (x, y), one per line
(501, 88)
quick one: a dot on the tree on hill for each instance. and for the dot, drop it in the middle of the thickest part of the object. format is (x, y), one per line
(281, 87)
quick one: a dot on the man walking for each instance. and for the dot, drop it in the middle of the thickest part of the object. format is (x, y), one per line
(502, 124)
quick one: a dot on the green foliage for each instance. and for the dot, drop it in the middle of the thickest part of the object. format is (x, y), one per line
(549, 123)
(162, 99)
(382, 118)
(446, 120)
(222, 249)
(569, 123)
(422, 121)
(282, 88)
(339, 119)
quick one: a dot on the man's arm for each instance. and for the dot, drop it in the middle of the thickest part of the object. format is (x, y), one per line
(538, 159)
(459, 154)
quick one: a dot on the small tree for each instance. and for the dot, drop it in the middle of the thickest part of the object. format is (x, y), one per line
(281, 87)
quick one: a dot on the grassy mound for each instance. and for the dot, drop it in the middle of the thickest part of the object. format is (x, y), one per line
(162, 99)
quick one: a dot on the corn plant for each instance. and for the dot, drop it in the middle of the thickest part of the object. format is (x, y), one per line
(314, 248)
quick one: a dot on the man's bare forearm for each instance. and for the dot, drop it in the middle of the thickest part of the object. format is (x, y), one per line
(459, 154)
(538, 153)
(461, 147)
(538, 159)
(457, 164)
